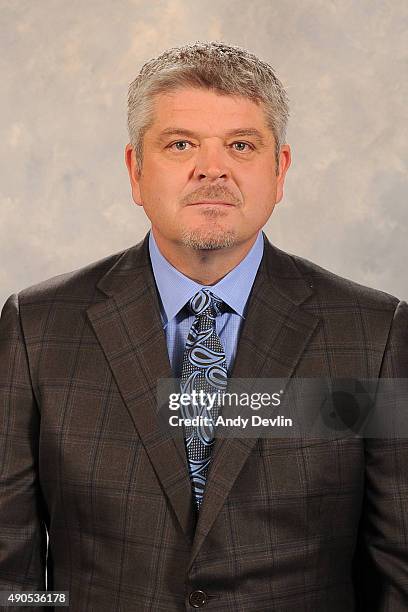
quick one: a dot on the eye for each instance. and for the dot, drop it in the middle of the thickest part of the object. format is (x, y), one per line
(240, 147)
(180, 145)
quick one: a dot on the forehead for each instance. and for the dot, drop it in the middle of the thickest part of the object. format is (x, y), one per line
(205, 110)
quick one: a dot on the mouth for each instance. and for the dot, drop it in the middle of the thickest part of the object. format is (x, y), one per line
(212, 203)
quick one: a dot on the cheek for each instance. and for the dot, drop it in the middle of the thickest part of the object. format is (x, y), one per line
(259, 189)
(159, 202)
(162, 182)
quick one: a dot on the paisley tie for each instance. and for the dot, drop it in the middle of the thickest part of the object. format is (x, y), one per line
(204, 370)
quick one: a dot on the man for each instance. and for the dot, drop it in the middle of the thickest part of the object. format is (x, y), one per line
(142, 520)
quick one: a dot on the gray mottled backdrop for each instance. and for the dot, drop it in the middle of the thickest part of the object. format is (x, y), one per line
(64, 195)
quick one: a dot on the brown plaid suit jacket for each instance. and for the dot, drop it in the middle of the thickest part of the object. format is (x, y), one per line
(318, 527)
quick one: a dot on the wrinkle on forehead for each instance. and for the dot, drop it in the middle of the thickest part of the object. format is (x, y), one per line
(203, 113)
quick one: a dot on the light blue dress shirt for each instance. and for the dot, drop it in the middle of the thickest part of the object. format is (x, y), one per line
(175, 290)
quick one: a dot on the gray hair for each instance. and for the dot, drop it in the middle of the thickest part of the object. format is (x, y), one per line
(215, 66)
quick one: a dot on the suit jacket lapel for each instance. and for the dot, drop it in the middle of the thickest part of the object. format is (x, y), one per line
(129, 329)
(273, 338)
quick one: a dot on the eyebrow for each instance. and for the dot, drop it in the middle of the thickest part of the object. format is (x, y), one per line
(175, 131)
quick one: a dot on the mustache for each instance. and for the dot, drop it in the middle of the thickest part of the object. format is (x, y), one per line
(211, 193)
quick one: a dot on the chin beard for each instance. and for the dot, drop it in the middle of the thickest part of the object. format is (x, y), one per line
(208, 239)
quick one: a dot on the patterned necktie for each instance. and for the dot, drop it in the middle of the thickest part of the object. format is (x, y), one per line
(204, 370)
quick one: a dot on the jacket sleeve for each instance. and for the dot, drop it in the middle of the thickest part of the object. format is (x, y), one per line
(23, 536)
(382, 554)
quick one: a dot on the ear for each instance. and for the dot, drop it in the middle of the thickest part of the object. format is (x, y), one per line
(284, 163)
(134, 176)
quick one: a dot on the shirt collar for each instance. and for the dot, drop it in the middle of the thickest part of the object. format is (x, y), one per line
(176, 289)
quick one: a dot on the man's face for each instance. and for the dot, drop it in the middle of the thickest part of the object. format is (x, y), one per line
(209, 177)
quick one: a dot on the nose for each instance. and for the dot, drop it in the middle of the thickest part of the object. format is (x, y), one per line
(211, 162)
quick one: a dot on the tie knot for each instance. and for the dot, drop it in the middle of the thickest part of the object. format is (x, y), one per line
(205, 302)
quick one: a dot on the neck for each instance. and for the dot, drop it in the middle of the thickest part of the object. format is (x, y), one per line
(205, 267)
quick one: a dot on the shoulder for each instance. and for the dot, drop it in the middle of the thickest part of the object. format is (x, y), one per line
(344, 308)
(76, 285)
(327, 288)
(349, 313)
(57, 306)
(333, 287)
